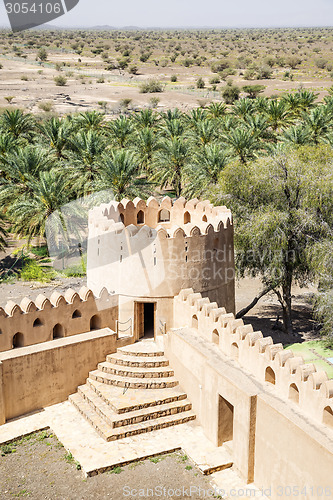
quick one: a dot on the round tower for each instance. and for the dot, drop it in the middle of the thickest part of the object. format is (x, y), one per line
(146, 252)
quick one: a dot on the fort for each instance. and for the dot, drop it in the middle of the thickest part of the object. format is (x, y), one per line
(153, 342)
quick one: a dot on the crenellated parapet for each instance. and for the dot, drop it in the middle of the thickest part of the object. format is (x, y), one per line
(154, 249)
(166, 214)
(283, 371)
(44, 319)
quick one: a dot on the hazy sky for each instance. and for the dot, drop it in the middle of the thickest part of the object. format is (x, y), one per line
(228, 13)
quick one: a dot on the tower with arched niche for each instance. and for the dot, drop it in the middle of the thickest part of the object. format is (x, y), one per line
(146, 252)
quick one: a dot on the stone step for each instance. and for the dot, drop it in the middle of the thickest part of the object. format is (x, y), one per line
(134, 372)
(142, 349)
(132, 383)
(133, 417)
(134, 399)
(111, 434)
(119, 358)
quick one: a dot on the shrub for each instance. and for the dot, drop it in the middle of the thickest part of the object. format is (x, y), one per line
(60, 81)
(230, 93)
(9, 98)
(45, 106)
(151, 86)
(1, 66)
(24, 78)
(100, 80)
(124, 103)
(218, 66)
(42, 54)
(264, 72)
(214, 80)
(321, 63)
(200, 83)
(133, 69)
(253, 90)
(31, 271)
(173, 78)
(153, 101)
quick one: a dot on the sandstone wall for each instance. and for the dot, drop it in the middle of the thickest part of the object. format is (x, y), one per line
(45, 374)
(60, 316)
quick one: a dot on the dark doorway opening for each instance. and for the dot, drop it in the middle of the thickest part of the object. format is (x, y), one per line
(149, 326)
(225, 421)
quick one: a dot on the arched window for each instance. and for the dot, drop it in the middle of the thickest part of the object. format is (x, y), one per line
(95, 322)
(194, 321)
(76, 314)
(328, 416)
(270, 375)
(140, 218)
(37, 322)
(294, 393)
(58, 331)
(234, 351)
(216, 337)
(164, 215)
(18, 340)
(204, 218)
(187, 218)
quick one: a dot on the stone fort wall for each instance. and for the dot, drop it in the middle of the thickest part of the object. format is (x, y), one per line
(59, 316)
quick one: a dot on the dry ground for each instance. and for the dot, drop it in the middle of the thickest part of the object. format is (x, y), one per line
(40, 468)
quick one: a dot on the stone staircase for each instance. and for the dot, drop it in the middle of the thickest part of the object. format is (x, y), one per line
(132, 392)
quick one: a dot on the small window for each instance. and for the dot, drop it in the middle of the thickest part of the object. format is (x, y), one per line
(194, 321)
(76, 314)
(140, 218)
(122, 219)
(58, 331)
(187, 218)
(37, 322)
(95, 322)
(204, 218)
(294, 393)
(216, 337)
(18, 340)
(270, 375)
(234, 351)
(328, 416)
(163, 215)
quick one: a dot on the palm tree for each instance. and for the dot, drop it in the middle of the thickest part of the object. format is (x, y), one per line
(296, 135)
(204, 132)
(243, 108)
(87, 149)
(278, 115)
(216, 110)
(18, 124)
(205, 169)
(8, 144)
(243, 143)
(119, 172)
(121, 131)
(146, 144)
(318, 122)
(47, 193)
(18, 168)
(57, 134)
(172, 128)
(146, 118)
(170, 161)
(90, 120)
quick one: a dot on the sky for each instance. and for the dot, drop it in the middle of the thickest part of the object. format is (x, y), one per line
(195, 13)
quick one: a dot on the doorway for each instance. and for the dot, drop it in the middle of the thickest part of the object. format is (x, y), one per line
(225, 429)
(145, 319)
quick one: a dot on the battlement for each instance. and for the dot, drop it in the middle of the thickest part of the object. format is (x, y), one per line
(44, 319)
(286, 374)
(192, 215)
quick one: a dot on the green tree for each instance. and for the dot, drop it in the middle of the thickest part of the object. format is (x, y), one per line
(253, 91)
(282, 205)
(170, 162)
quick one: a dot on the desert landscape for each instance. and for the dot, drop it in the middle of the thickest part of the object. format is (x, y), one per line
(105, 69)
